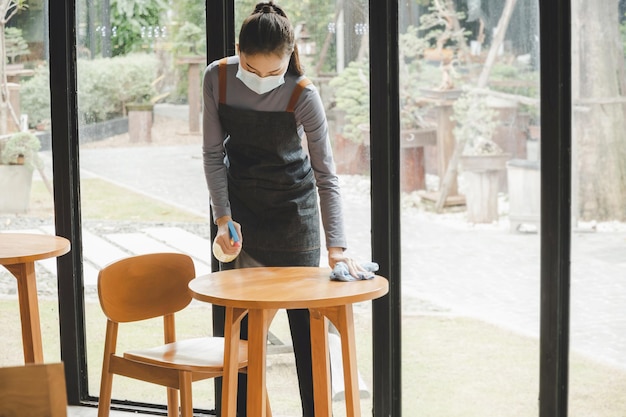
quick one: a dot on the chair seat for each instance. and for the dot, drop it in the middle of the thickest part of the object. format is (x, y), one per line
(205, 354)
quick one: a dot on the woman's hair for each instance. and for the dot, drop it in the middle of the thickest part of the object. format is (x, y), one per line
(268, 31)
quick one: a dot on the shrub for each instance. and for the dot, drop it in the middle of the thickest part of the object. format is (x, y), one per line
(21, 145)
(105, 85)
(475, 124)
(351, 88)
(34, 97)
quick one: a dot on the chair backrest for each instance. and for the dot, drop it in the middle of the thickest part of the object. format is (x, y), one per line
(33, 390)
(145, 286)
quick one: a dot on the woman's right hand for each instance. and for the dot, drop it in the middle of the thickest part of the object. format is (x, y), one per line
(223, 237)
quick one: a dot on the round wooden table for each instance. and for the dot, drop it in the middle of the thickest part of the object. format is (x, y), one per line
(18, 253)
(260, 292)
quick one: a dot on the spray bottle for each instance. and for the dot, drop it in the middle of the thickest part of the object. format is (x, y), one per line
(234, 241)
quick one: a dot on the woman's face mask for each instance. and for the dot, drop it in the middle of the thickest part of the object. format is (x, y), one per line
(262, 73)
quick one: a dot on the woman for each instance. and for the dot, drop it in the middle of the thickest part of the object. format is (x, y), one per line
(258, 107)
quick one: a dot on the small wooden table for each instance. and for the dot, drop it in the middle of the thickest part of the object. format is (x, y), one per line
(18, 253)
(260, 292)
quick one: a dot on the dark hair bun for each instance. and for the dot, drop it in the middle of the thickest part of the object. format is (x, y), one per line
(264, 7)
(269, 7)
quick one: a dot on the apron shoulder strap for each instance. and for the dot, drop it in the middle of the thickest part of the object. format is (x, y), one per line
(222, 80)
(297, 91)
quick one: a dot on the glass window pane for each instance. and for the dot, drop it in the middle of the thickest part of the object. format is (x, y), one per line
(597, 375)
(470, 190)
(26, 194)
(142, 182)
(145, 192)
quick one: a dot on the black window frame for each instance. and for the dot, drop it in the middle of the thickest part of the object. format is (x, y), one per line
(555, 38)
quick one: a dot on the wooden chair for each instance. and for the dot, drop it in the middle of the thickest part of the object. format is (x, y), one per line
(33, 390)
(144, 287)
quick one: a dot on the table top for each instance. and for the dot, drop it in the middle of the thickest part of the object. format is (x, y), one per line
(17, 248)
(283, 287)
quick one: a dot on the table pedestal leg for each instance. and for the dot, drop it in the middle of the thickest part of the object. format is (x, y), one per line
(320, 359)
(29, 311)
(343, 319)
(258, 327)
(232, 326)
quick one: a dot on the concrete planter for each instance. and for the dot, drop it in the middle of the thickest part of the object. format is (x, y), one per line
(482, 175)
(351, 158)
(15, 185)
(140, 122)
(524, 193)
(413, 164)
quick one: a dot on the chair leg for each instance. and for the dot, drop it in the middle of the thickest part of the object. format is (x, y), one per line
(106, 379)
(172, 402)
(186, 404)
(268, 409)
(106, 385)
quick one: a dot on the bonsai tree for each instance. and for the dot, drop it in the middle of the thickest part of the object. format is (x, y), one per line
(351, 89)
(21, 149)
(475, 125)
(442, 26)
(15, 44)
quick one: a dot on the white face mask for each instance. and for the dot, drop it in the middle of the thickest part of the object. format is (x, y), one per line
(260, 85)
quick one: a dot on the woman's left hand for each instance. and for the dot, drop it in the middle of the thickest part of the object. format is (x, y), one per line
(336, 255)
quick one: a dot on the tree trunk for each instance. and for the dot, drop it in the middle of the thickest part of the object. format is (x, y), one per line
(8, 9)
(4, 86)
(599, 162)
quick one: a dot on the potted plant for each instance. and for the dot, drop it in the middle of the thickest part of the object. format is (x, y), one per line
(524, 180)
(444, 44)
(140, 111)
(482, 160)
(18, 159)
(442, 28)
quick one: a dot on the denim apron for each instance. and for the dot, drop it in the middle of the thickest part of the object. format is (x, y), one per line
(271, 185)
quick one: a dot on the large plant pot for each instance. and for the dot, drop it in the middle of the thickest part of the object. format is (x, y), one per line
(354, 158)
(15, 185)
(482, 177)
(351, 158)
(140, 122)
(413, 164)
(524, 193)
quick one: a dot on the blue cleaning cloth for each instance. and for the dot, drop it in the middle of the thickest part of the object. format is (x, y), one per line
(341, 273)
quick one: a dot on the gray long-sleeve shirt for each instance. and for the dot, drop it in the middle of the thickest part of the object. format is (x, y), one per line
(312, 125)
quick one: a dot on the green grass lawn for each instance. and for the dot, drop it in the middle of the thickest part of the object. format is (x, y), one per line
(101, 199)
